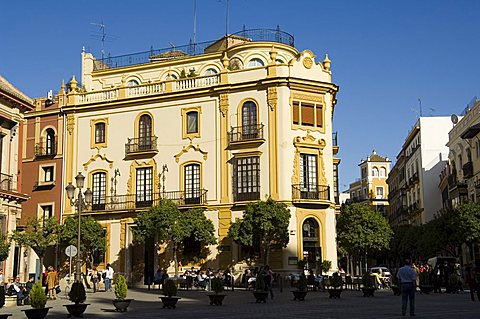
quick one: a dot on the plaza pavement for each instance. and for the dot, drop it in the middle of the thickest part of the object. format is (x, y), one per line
(241, 304)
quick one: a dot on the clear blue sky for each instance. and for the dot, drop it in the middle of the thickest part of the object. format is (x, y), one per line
(385, 54)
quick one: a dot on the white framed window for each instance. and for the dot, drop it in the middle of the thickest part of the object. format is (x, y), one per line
(383, 172)
(375, 171)
(379, 192)
(48, 174)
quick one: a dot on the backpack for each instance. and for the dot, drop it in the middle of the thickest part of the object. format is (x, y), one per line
(104, 275)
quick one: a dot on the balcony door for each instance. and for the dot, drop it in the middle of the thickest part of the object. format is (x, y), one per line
(99, 190)
(308, 176)
(312, 251)
(192, 184)
(145, 133)
(50, 143)
(249, 121)
(144, 187)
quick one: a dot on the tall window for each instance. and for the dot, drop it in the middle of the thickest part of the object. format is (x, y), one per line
(48, 174)
(383, 172)
(249, 120)
(192, 184)
(379, 192)
(307, 114)
(50, 142)
(145, 132)
(144, 187)
(247, 178)
(47, 212)
(375, 171)
(99, 190)
(192, 122)
(99, 133)
(308, 176)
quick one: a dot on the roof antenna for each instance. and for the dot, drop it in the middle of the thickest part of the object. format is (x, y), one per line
(101, 35)
(194, 25)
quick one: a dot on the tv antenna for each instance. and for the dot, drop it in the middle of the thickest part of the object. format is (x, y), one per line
(101, 36)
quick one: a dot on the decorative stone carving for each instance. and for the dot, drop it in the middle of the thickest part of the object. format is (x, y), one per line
(272, 98)
(70, 123)
(311, 145)
(307, 62)
(308, 97)
(223, 107)
(94, 158)
(190, 146)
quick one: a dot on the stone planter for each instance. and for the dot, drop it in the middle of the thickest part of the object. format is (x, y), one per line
(215, 299)
(334, 293)
(368, 292)
(36, 313)
(260, 296)
(299, 295)
(121, 305)
(169, 302)
(76, 309)
(425, 289)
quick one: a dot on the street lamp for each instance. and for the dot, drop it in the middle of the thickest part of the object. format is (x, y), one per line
(82, 201)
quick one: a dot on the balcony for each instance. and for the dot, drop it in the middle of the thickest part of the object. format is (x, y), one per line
(467, 170)
(246, 136)
(413, 180)
(311, 194)
(136, 201)
(144, 146)
(335, 142)
(45, 150)
(6, 182)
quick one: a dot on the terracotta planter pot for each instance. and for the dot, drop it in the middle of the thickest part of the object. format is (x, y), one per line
(260, 296)
(169, 302)
(215, 299)
(76, 309)
(121, 305)
(36, 313)
(299, 295)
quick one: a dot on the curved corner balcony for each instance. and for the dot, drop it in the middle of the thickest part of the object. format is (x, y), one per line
(191, 49)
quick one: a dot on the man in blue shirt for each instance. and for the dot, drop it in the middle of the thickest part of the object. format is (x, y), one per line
(407, 277)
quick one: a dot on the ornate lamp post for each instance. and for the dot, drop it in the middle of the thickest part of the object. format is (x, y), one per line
(82, 201)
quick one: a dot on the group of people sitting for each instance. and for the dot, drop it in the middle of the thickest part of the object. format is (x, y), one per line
(195, 277)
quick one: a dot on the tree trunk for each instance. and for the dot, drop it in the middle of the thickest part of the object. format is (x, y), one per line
(266, 255)
(175, 260)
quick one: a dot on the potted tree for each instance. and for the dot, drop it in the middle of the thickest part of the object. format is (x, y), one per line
(38, 299)
(368, 285)
(170, 297)
(335, 286)
(259, 292)
(216, 298)
(77, 296)
(2, 303)
(301, 291)
(120, 302)
(425, 284)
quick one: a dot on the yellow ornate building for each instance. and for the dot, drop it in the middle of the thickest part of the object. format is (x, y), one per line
(372, 188)
(214, 125)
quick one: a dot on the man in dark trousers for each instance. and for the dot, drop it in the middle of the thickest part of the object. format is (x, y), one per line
(407, 277)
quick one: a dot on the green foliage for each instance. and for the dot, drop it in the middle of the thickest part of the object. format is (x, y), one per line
(260, 283)
(4, 247)
(302, 282)
(217, 285)
(77, 293)
(336, 281)
(301, 264)
(183, 74)
(38, 235)
(169, 288)
(37, 296)
(264, 224)
(170, 225)
(368, 280)
(424, 278)
(325, 266)
(121, 287)
(2, 297)
(92, 235)
(360, 229)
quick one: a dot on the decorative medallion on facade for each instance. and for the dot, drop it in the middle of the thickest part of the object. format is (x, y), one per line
(307, 62)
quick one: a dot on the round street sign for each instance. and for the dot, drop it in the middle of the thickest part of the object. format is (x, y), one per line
(71, 251)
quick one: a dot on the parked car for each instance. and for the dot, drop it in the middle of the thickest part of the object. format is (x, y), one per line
(385, 271)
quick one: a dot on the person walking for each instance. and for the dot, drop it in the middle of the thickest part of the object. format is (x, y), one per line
(52, 282)
(407, 279)
(94, 279)
(108, 277)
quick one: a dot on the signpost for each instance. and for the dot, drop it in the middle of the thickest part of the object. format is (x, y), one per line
(70, 251)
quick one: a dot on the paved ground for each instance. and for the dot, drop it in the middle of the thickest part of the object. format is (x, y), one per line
(241, 304)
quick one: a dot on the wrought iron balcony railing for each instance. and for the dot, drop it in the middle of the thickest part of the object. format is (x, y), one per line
(141, 145)
(44, 149)
(6, 182)
(245, 133)
(311, 192)
(335, 139)
(145, 200)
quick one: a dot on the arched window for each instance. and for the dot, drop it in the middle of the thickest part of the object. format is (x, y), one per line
(50, 142)
(132, 83)
(383, 172)
(192, 184)
(99, 190)
(312, 251)
(374, 171)
(211, 72)
(249, 120)
(145, 132)
(255, 62)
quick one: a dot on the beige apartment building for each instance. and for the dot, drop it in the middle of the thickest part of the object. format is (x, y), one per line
(213, 125)
(372, 189)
